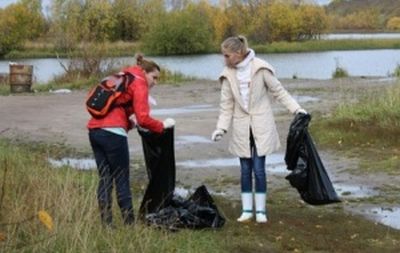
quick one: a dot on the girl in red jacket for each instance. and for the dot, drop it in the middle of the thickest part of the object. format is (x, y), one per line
(108, 138)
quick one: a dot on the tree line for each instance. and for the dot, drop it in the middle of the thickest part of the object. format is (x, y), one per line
(162, 26)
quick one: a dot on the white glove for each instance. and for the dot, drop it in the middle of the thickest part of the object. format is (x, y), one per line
(169, 123)
(217, 135)
(301, 110)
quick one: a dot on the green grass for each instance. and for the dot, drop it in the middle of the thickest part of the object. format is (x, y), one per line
(368, 128)
(327, 45)
(76, 82)
(49, 50)
(116, 49)
(28, 184)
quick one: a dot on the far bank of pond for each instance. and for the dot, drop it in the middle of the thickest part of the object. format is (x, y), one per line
(311, 65)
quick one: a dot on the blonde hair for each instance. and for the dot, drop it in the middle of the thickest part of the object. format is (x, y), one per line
(237, 44)
(147, 65)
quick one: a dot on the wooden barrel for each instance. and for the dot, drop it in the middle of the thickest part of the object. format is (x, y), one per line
(20, 78)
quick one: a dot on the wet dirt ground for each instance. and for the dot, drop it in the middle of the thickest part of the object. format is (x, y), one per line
(61, 118)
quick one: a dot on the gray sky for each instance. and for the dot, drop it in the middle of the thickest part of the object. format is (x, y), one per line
(4, 3)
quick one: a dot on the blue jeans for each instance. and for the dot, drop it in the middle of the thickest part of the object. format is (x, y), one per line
(248, 165)
(112, 158)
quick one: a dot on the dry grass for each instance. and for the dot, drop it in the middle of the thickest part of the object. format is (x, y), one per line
(28, 184)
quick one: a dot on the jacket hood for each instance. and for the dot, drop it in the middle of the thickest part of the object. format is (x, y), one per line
(257, 64)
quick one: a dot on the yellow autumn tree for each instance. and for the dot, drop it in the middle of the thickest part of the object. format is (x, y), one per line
(314, 21)
(259, 29)
(284, 22)
(393, 23)
(368, 19)
(19, 22)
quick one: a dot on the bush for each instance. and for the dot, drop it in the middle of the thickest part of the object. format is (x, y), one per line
(397, 71)
(340, 72)
(179, 32)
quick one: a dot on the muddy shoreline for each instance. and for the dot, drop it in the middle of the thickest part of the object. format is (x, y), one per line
(61, 118)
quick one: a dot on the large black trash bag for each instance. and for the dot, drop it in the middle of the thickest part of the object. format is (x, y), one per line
(159, 206)
(159, 157)
(198, 212)
(308, 174)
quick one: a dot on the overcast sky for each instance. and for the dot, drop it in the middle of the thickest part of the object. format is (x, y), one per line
(4, 3)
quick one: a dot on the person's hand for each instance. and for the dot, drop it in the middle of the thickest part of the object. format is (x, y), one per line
(133, 120)
(217, 134)
(301, 110)
(168, 123)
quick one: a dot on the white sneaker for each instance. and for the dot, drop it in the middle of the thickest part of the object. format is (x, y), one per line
(261, 218)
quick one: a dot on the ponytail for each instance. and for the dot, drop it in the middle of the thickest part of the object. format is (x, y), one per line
(145, 64)
(236, 44)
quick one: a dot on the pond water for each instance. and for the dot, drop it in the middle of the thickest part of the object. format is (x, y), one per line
(313, 65)
(360, 36)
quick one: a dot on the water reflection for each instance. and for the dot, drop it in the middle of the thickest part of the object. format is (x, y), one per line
(389, 215)
(354, 191)
(189, 139)
(190, 109)
(184, 109)
(305, 99)
(275, 163)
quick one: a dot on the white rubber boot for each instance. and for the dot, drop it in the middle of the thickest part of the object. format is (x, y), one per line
(261, 216)
(247, 207)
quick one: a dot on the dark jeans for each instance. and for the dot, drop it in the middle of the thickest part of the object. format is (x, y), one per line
(112, 159)
(248, 165)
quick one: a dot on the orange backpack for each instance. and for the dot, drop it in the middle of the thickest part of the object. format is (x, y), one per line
(101, 98)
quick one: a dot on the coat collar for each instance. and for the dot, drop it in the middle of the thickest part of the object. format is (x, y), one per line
(230, 75)
(256, 65)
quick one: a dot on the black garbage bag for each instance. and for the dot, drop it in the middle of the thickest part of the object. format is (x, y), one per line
(160, 207)
(159, 157)
(197, 212)
(308, 174)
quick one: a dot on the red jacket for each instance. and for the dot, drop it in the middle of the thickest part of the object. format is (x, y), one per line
(137, 97)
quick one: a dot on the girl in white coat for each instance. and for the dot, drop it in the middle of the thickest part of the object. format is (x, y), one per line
(246, 107)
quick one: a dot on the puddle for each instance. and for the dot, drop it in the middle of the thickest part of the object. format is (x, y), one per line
(354, 191)
(188, 139)
(274, 163)
(79, 164)
(184, 109)
(220, 162)
(305, 99)
(388, 216)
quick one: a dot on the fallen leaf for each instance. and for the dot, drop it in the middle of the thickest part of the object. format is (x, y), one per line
(3, 237)
(46, 219)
